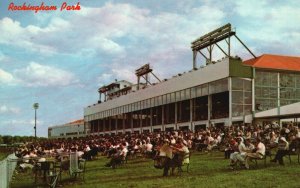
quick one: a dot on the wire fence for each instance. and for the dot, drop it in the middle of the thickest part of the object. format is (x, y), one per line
(7, 167)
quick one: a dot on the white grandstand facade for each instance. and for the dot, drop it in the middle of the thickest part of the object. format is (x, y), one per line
(222, 93)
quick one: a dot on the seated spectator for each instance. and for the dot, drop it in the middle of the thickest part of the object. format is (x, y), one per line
(243, 149)
(148, 149)
(231, 147)
(179, 151)
(283, 149)
(257, 153)
(239, 150)
(211, 142)
(118, 157)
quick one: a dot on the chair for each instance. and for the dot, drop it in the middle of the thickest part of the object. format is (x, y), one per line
(267, 154)
(60, 166)
(81, 169)
(118, 161)
(52, 179)
(187, 156)
(288, 155)
(45, 168)
(77, 167)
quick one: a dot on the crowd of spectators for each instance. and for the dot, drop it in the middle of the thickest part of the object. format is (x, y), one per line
(239, 143)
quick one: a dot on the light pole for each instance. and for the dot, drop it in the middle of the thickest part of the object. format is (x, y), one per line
(35, 106)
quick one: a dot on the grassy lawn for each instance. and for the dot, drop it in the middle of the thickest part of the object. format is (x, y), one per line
(206, 170)
(3, 155)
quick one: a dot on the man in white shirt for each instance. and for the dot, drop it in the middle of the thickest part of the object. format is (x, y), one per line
(258, 154)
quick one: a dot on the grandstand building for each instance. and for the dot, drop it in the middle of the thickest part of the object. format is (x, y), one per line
(224, 92)
(73, 129)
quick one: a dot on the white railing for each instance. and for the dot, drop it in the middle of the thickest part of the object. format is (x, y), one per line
(7, 167)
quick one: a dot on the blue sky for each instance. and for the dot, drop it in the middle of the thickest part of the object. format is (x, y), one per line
(59, 59)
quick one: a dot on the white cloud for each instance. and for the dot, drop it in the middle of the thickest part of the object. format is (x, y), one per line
(106, 45)
(273, 26)
(12, 30)
(7, 109)
(18, 122)
(42, 75)
(20, 127)
(2, 56)
(6, 78)
(107, 30)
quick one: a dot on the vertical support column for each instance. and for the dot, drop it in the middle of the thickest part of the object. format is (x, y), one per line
(138, 83)
(210, 53)
(176, 119)
(123, 122)
(163, 117)
(253, 94)
(116, 123)
(151, 122)
(141, 121)
(131, 122)
(278, 93)
(230, 102)
(87, 127)
(147, 78)
(98, 125)
(92, 128)
(229, 46)
(191, 115)
(209, 106)
(194, 59)
(109, 123)
(253, 91)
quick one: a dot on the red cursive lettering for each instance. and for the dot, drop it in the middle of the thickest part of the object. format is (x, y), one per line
(65, 6)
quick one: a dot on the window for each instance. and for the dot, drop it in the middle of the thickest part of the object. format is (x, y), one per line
(237, 110)
(247, 85)
(287, 80)
(237, 97)
(237, 84)
(247, 98)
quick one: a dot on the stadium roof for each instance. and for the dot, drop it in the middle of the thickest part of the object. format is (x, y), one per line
(269, 61)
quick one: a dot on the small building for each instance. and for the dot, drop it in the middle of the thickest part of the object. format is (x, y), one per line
(73, 129)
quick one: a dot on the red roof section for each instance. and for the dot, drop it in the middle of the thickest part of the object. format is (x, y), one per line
(77, 121)
(269, 61)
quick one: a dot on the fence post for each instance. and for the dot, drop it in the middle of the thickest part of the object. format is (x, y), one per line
(7, 167)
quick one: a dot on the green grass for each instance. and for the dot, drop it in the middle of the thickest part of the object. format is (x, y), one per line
(3, 155)
(206, 170)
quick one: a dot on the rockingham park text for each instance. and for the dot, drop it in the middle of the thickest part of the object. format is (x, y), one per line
(42, 7)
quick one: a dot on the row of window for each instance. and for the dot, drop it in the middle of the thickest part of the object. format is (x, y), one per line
(186, 111)
(270, 79)
(271, 87)
(198, 91)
